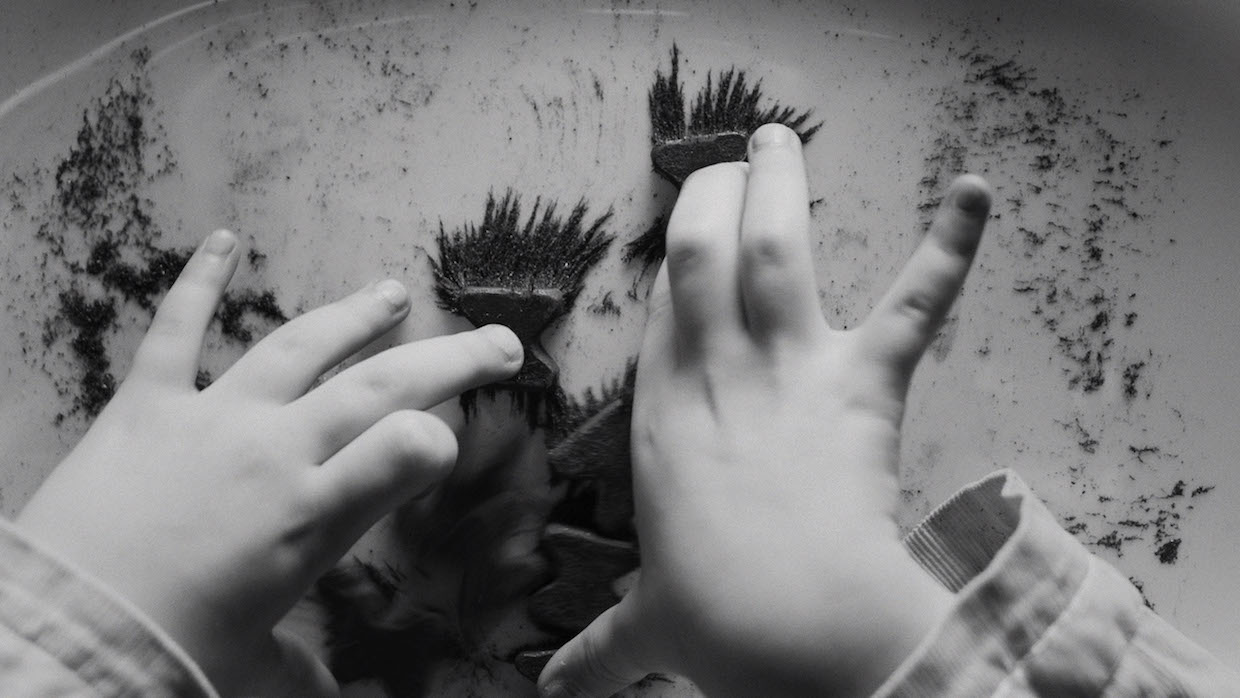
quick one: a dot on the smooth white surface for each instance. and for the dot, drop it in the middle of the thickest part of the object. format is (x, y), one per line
(285, 126)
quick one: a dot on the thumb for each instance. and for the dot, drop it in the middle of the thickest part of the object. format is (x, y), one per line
(604, 658)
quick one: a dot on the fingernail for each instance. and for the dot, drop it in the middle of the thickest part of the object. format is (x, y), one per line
(555, 689)
(393, 293)
(219, 243)
(771, 136)
(507, 341)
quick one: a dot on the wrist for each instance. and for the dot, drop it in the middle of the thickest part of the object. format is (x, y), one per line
(915, 608)
(848, 640)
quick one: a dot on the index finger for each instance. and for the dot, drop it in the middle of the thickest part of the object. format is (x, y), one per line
(414, 376)
(905, 320)
(171, 350)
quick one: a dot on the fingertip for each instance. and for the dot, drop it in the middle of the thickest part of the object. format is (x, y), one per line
(553, 683)
(220, 243)
(506, 341)
(394, 294)
(962, 217)
(215, 261)
(773, 135)
(562, 689)
(173, 343)
(971, 194)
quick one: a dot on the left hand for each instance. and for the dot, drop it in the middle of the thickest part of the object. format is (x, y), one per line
(214, 511)
(766, 451)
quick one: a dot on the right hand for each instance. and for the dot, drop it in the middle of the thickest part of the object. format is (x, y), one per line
(213, 511)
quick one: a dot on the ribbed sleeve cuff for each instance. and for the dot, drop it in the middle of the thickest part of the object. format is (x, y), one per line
(1034, 611)
(62, 633)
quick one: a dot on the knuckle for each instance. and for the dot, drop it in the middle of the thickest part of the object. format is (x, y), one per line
(360, 392)
(690, 247)
(767, 246)
(919, 305)
(372, 386)
(422, 437)
(290, 340)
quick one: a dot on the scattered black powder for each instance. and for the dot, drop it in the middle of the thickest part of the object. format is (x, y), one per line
(141, 283)
(945, 160)
(1073, 242)
(1000, 114)
(1141, 589)
(1084, 439)
(100, 227)
(605, 306)
(1111, 540)
(235, 307)
(99, 171)
(1007, 76)
(1132, 374)
(1152, 517)
(650, 246)
(1169, 552)
(91, 320)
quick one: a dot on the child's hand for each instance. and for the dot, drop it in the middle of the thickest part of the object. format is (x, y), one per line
(766, 451)
(214, 511)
